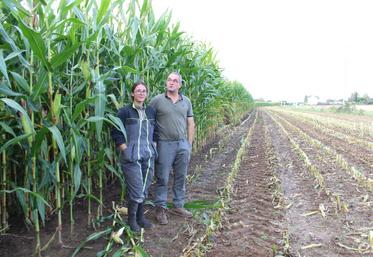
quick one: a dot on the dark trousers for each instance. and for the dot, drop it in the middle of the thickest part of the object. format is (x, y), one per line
(138, 177)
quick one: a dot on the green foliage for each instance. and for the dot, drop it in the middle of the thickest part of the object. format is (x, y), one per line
(355, 98)
(261, 104)
(346, 108)
(64, 71)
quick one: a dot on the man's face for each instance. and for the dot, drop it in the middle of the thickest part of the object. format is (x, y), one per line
(173, 83)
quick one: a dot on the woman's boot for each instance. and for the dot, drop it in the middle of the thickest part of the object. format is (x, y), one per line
(132, 210)
(144, 223)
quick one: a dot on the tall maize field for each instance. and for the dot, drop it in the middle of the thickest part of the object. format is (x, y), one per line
(65, 69)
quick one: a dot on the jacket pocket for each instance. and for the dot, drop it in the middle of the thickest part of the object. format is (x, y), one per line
(154, 150)
(127, 154)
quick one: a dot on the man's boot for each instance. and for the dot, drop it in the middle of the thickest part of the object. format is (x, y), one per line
(144, 223)
(132, 210)
(161, 215)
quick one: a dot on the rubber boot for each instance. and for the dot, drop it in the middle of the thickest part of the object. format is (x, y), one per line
(144, 223)
(132, 210)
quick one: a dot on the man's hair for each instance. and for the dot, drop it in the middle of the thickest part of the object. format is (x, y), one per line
(179, 75)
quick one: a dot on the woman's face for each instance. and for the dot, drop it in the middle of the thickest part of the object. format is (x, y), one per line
(139, 94)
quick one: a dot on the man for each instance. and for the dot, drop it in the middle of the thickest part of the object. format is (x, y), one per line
(175, 132)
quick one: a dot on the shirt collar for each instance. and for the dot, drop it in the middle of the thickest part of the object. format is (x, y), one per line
(180, 96)
(138, 107)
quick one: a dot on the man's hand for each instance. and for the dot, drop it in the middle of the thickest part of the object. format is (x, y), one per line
(191, 129)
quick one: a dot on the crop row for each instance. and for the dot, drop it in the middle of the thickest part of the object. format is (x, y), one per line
(321, 166)
(215, 218)
(362, 129)
(341, 160)
(339, 203)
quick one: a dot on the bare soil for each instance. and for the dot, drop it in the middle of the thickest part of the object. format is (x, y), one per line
(252, 226)
(277, 206)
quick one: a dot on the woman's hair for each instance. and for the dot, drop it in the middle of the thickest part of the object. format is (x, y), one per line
(137, 83)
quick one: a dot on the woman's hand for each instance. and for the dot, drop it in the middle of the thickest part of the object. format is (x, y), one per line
(122, 147)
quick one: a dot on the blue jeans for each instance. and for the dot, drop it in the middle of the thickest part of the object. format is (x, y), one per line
(172, 155)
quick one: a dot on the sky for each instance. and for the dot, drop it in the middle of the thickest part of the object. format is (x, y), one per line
(285, 49)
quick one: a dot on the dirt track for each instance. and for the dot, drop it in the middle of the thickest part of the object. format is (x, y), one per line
(252, 221)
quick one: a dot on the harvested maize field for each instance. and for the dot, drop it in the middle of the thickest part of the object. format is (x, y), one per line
(304, 188)
(281, 183)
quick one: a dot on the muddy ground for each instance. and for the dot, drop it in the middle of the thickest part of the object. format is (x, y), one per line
(277, 206)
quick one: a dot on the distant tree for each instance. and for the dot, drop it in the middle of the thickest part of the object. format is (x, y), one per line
(366, 99)
(357, 99)
(354, 97)
(306, 99)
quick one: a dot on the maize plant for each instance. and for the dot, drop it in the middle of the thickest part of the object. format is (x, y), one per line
(65, 69)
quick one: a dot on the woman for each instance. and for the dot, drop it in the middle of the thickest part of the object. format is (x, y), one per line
(137, 153)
